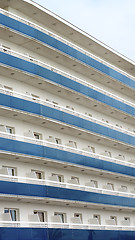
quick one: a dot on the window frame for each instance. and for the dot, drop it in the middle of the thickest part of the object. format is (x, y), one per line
(9, 210)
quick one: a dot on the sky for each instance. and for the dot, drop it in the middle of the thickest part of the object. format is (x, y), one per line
(110, 21)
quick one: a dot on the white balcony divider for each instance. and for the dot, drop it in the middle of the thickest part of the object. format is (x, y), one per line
(38, 62)
(48, 32)
(64, 148)
(64, 109)
(22, 224)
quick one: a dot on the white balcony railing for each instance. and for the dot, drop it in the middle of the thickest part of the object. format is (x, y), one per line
(21, 224)
(45, 182)
(65, 148)
(65, 74)
(26, 21)
(64, 109)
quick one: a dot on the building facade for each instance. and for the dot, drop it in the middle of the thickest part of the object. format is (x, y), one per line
(67, 132)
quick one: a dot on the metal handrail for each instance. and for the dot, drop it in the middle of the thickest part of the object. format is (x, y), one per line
(65, 41)
(67, 110)
(45, 182)
(64, 148)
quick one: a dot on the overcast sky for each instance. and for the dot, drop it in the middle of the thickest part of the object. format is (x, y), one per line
(110, 21)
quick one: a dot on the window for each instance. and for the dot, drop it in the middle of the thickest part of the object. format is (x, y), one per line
(110, 186)
(114, 218)
(89, 114)
(75, 179)
(38, 174)
(10, 130)
(105, 120)
(92, 149)
(127, 219)
(11, 170)
(7, 48)
(95, 216)
(121, 156)
(34, 97)
(37, 136)
(117, 125)
(54, 103)
(41, 215)
(79, 216)
(60, 178)
(9, 89)
(31, 58)
(69, 107)
(58, 140)
(94, 183)
(108, 153)
(124, 188)
(73, 144)
(61, 215)
(14, 213)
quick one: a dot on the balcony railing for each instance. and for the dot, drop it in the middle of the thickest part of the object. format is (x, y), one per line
(65, 74)
(64, 109)
(45, 182)
(21, 224)
(48, 32)
(65, 148)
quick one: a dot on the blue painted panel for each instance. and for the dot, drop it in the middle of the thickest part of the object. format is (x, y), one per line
(63, 156)
(41, 110)
(63, 234)
(34, 69)
(33, 190)
(62, 47)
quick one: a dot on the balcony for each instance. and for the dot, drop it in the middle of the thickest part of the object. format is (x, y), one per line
(68, 48)
(67, 185)
(42, 193)
(29, 97)
(68, 118)
(63, 154)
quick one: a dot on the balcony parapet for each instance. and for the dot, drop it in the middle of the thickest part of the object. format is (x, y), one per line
(22, 224)
(64, 109)
(78, 187)
(65, 148)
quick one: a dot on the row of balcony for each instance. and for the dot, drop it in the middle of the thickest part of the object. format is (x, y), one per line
(66, 119)
(60, 194)
(71, 146)
(99, 64)
(67, 75)
(51, 150)
(73, 183)
(69, 110)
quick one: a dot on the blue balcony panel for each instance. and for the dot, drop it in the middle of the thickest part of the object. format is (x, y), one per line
(41, 110)
(63, 234)
(30, 149)
(40, 191)
(62, 47)
(34, 69)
